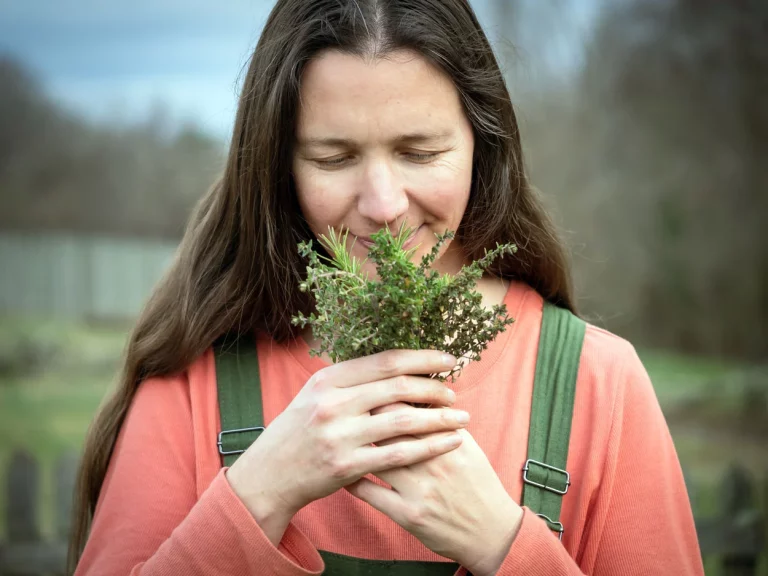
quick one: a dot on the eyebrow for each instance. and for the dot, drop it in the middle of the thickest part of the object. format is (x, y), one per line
(408, 138)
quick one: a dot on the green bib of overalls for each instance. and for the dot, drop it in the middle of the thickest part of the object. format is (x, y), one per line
(545, 479)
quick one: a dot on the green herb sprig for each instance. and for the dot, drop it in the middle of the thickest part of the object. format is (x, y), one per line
(410, 306)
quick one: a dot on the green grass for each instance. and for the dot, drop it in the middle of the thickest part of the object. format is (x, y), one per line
(47, 404)
(676, 377)
(717, 411)
(47, 410)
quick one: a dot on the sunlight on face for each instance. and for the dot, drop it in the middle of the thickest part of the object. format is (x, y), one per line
(382, 142)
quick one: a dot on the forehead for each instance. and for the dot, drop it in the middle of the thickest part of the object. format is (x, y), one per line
(355, 97)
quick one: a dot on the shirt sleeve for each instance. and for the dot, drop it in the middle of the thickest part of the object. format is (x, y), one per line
(148, 519)
(641, 521)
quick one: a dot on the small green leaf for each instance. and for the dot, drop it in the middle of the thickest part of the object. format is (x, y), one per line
(409, 306)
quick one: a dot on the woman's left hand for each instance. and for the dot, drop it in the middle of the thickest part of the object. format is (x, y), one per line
(454, 503)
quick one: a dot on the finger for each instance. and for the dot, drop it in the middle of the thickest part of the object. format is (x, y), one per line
(382, 499)
(462, 432)
(386, 365)
(389, 441)
(413, 389)
(372, 459)
(390, 408)
(412, 421)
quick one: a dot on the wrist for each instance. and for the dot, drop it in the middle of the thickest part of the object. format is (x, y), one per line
(270, 512)
(507, 529)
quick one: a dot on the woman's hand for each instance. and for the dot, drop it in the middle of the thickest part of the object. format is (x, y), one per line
(454, 503)
(325, 438)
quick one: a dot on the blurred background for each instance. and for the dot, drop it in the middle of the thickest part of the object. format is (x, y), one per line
(645, 124)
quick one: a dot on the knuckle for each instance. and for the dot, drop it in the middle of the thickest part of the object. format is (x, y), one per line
(396, 458)
(389, 362)
(402, 421)
(401, 385)
(416, 516)
(433, 449)
(450, 467)
(324, 410)
(429, 494)
(326, 446)
(319, 380)
(341, 469)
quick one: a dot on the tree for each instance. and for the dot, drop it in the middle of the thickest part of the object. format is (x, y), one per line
(661, 150)
(58, 172)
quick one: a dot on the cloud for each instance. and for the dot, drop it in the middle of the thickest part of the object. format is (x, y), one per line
(99, 57)
(93, 54)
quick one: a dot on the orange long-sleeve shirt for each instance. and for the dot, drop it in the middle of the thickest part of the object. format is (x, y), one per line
(166, 507)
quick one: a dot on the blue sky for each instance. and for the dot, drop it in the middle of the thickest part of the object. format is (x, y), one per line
(118, 60)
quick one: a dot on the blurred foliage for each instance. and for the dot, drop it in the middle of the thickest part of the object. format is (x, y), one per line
(23, 357)
(47, 406)
(654, 157)
(58, 172)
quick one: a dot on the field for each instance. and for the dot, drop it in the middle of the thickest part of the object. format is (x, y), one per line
(53, 377)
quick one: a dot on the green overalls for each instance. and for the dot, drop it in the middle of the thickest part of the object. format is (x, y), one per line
(545, 479)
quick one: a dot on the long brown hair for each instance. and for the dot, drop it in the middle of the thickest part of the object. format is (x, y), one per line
(237, 268)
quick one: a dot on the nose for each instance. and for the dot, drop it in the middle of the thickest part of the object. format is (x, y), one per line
(382, 197)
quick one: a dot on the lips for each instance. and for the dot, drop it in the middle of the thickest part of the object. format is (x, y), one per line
(367, 242)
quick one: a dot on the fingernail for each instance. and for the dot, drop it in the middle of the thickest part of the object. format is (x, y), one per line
(462, 417)
(449, 360)
(451, 395)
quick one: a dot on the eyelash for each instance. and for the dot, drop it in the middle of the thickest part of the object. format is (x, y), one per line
(423, 156)
(419, 158)
(333, 162)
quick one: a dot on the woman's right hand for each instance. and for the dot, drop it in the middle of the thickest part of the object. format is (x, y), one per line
(324, 439)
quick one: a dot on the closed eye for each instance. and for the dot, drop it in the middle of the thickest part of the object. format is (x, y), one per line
(415, 157)
(333, 162)
(422, 157)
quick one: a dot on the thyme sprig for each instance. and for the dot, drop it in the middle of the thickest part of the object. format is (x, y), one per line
(409, 306)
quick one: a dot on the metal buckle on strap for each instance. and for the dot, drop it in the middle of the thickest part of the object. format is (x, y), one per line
(547, 467)
(219, 443)
(558, 526)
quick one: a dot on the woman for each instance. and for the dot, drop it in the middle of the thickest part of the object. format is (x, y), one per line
(364, 114)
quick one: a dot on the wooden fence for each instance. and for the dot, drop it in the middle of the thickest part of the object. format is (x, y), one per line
(25, 552)
(736, 536)
(79, 277)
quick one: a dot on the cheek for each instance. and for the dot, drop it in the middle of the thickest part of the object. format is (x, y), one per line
(323, 199)
(446, 192)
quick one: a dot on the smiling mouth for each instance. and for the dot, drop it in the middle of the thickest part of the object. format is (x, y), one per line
(367, 242)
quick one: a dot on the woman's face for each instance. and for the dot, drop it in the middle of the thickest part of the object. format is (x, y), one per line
(381, 142)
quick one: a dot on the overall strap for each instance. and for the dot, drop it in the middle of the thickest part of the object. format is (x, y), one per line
(239, 390)
(545, 479)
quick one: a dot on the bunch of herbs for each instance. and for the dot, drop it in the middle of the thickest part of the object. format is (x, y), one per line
(409, 306)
